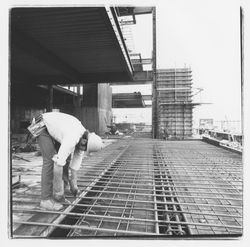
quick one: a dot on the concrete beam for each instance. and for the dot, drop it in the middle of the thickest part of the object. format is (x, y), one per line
(141, 61)
(143, 10)
(143, 76)
(87, 78)
(125, 11)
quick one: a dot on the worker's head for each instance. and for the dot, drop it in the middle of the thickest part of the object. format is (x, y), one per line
(83, 142)
(90, 142)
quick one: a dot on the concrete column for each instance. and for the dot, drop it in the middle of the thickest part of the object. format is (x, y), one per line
(104, 106)
(50, 98)
(78, 103)
(97, 107)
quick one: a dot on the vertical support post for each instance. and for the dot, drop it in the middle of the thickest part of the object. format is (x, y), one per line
(175, 85)
(78, 90)
(154, 85)
(175, 106)
(78, 102)
(242, 61)
(90, 107)
(175, 120)
(183, 135)
(50, 98)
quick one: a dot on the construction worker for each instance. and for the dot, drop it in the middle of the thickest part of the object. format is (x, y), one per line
(63, 141)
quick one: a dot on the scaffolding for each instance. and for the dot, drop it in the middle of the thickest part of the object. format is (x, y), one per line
(174, 105)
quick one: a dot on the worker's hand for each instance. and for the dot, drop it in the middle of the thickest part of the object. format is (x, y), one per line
(75, 191)
(73, 182)
(58, 161)
(59, 197)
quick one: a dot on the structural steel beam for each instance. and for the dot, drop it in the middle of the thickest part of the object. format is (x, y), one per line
(242, 61)
(61, 89)
(118, 33)
(154, 86)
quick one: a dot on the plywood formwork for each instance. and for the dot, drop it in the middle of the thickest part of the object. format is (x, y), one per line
(174, 102)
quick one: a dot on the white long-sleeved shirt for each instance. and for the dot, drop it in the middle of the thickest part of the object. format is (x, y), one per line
(67, 130)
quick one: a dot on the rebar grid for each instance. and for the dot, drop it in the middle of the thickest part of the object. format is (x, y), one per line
(221, 176)
(152, 187)
(116, 191)
(166, 190)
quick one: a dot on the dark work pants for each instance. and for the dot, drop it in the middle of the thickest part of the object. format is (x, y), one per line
(49, 147)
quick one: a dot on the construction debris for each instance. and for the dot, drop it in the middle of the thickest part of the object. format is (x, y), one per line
(14, 156)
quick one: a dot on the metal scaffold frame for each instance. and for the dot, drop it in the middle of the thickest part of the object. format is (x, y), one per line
(174, 105)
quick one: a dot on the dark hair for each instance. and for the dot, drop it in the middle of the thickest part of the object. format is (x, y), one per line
(85, 134)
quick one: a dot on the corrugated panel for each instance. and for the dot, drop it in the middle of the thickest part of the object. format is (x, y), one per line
(81, 38)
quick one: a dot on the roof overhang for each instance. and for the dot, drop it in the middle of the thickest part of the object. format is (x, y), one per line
(67, 45)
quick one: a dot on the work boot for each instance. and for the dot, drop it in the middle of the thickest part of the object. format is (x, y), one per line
(62, 200)
(58, 184)
(51, 205)
(73, 182)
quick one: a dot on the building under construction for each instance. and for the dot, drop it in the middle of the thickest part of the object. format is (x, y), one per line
(174, 100)
(65, 59)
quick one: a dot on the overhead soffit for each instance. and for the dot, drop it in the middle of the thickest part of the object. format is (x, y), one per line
(67, 46)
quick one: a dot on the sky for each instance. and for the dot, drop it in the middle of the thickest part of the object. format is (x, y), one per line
(202, 35)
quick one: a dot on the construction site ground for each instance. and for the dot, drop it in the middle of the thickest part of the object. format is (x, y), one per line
(137, 186)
